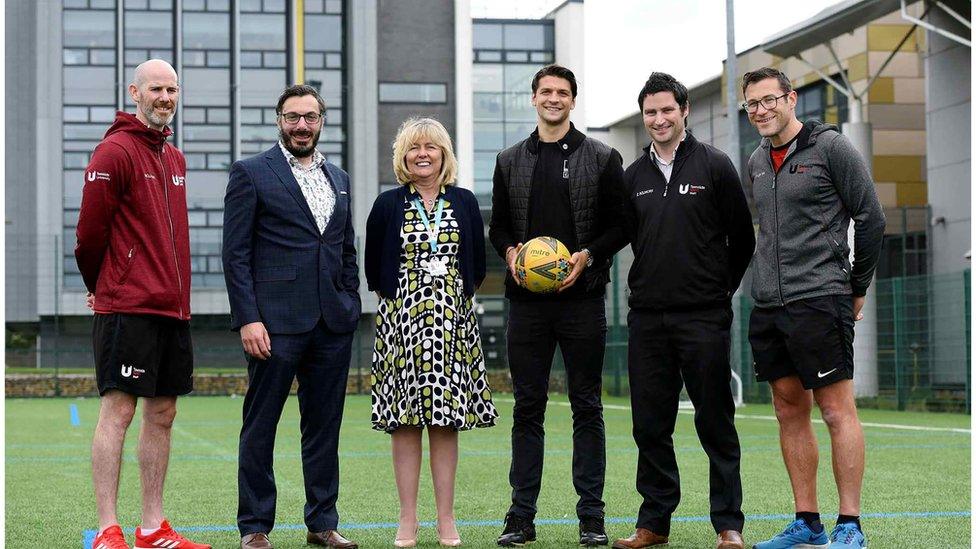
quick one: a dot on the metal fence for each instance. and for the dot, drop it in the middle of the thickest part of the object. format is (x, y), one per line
(923, 331)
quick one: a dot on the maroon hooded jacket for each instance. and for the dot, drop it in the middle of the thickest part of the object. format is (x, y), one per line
(133, 247)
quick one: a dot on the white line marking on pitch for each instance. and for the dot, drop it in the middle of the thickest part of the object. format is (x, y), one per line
(773, 418)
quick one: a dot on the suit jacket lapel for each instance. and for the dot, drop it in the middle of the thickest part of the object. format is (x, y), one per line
(276, 160)
(331, 178)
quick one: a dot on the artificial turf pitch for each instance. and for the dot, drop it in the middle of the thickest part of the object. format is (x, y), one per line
(916, 488)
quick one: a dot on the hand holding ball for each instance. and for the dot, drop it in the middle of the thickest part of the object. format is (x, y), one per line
(542, 264)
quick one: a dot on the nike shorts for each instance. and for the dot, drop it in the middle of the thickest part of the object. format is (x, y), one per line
(143, 355)
(810, 338)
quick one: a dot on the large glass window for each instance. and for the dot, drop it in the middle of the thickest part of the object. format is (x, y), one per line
(324, 65)
(92, 58)
(507, 54)
(206, 87)
(503, 111)
(264, 71)
(88, 106)
(412, 92)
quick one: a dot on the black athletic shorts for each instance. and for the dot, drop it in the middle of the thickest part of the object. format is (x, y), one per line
(143, 355)
(810, 338)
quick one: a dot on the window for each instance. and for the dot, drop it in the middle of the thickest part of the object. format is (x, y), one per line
(91, 53)
(403, 92)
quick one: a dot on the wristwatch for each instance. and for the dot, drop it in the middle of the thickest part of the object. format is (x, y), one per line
(589, 256)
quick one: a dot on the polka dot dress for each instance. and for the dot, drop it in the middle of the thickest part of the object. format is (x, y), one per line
(428, 368)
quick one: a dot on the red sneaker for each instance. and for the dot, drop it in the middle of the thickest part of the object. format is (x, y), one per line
(165, 538)
(111, 538)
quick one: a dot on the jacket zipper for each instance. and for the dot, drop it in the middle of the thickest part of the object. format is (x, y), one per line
(128, 266)
(779, 265)
(172, 232)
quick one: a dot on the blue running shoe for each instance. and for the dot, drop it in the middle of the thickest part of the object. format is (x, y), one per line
(847, 536)
(797, 536)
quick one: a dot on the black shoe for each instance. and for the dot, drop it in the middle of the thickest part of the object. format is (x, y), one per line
(518, 531)
(592, 532)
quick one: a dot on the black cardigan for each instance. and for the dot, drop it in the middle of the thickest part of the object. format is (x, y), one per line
(382, 262)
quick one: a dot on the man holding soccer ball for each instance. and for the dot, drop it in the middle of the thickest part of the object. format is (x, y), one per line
(561, 184)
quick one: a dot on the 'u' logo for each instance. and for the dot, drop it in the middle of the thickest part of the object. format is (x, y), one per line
(683, 189)
(126, 370)
(91, 176)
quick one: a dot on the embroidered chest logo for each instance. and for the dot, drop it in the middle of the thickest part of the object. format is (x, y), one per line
(642, 193)
(148, 175)
(688, 188)
(101, 176)
(798, 168)
(179, 180)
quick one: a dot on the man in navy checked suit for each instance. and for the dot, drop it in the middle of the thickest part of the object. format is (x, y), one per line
(290, 265)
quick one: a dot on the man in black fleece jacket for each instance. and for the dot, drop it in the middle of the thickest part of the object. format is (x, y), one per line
(690, 228)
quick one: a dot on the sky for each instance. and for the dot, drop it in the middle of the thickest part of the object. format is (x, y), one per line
(626, 40)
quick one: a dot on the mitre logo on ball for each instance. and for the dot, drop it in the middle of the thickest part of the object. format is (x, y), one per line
(542, 264)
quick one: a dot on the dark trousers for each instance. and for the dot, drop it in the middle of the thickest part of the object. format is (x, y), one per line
(580, 329)
(320, 359)
(664, 349)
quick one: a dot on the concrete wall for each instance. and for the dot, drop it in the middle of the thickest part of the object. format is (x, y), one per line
(948, 140)
(20, 173)
(569, 31)
(949, 171)
(415, 43)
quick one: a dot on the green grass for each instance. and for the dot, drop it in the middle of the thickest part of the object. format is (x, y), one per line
(49, 495)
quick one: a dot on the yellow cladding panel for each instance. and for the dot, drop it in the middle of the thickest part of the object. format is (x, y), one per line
(902, 64)
(898, 168)
(899, 142)
(882, 91)
(914, 193)
(909, 90)
(857, 67)
(886, 37)
(887, 193)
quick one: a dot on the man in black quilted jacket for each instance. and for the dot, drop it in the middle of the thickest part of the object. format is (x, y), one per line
(558, 183)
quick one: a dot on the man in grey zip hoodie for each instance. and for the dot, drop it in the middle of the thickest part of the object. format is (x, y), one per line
(808, 183)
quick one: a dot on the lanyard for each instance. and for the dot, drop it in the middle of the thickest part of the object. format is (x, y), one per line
(432, 230)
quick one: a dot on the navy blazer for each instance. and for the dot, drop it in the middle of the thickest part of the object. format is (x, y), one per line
(279, 269)
(383, 245)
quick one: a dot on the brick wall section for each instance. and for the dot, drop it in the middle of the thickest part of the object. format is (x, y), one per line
(78, 385)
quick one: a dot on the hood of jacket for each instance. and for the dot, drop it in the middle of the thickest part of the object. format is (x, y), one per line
(130, 124)
(812, 129)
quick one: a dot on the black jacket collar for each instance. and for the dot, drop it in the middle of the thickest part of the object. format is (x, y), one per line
(569, 143)
(687, 146)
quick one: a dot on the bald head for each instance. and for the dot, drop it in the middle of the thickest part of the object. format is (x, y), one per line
(153, 69)
(155, 90)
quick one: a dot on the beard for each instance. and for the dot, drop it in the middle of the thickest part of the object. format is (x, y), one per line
(156, 120)
(295, 150)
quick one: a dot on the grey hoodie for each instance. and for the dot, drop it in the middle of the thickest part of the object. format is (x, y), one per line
(804, 212)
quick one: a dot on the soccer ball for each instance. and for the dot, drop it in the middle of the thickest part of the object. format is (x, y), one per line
(542, 264)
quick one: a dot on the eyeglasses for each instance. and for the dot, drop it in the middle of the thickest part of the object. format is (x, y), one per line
(768, 102)
(311, 118)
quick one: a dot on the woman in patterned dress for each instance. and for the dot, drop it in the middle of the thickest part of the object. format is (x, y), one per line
(425, 256)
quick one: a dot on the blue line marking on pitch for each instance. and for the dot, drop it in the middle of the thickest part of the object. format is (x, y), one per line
(88, 536)
(75, 420)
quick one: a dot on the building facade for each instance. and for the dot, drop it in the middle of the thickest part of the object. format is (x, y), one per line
(375, 62)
